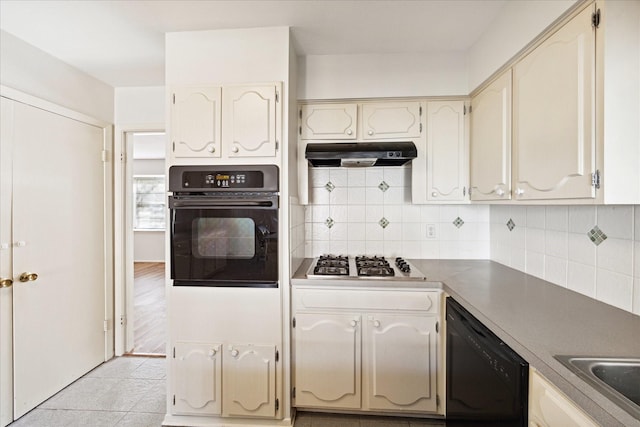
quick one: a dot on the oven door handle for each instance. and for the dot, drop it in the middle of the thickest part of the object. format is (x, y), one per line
(271, 203)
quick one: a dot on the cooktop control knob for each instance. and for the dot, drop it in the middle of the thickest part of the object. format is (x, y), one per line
(403, 265)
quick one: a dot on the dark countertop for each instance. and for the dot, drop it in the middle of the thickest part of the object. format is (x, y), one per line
(537, 319)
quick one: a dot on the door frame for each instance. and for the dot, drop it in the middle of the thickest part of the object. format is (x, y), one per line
(123, 234)
(6, 298)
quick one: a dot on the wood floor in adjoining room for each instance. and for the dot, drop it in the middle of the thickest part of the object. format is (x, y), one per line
(150, 308)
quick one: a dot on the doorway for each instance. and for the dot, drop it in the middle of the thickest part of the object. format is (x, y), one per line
(146, 208)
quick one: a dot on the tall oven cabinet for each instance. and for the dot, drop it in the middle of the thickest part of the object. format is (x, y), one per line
(228, 270)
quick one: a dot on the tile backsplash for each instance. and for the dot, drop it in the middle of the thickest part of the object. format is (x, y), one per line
(593, 250)
(357, 211)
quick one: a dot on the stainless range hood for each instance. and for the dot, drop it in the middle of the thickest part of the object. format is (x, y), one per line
(360, 154)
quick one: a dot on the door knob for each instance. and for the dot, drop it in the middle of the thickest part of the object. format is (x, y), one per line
(5, 283)
(235, 149)
(28, 277)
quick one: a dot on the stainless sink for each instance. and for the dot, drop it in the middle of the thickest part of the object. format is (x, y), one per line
(617, 379)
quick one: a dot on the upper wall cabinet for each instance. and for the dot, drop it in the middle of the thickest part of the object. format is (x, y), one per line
(328, 121)
(447, 154)
(391, 120)
(226, 123)
(195, 122)
(490, 152)
(250, 118)
(554, 140)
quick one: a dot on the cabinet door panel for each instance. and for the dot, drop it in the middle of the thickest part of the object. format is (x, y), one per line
(327, 360)
(197, 380)
(446, 154)
(491, 141)
(250, 388)
(401, 371)
(249, 116)
(554, 135)
(195, 122)
(328, 121)
(391, 120)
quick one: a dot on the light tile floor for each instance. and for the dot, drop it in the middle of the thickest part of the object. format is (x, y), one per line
(131, 392)
(125, 391)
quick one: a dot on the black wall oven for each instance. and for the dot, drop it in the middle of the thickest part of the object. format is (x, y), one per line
(224, 225)
(487, 382)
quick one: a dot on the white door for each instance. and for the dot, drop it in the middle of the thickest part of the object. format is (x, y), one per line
(327, 359)
(197, 378)
(250, 381)
(195, 121)
(447, 163)
(401, 376)
(554, 140)
(58, 234)
(328, 121)
(391, 120)
(250, 121)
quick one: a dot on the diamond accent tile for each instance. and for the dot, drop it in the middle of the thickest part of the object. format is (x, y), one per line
(329, 222)
(511, 225)
(329, 186)
(383, 222)
(458, 222)
(383, 186)
(596, 235)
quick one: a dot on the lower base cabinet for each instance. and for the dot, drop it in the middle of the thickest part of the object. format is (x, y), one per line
(382, 360)
(549, 407)
(213, 379)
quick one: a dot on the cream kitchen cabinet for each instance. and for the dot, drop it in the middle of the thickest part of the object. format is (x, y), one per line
(391, 120)
(366, 350)
(490, 145)
(226, 123)
(195, 122)
(549, 407)
(554, 139)
(401, 364)
(251, 120)
(229, 380)
(328, 121)
(198, 378)
(440, 173)
(328, 360)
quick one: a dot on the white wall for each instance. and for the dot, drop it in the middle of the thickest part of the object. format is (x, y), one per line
(30, 70)
(552, 242)
(139, 105)
(517, 25)
(242, 56)
(370, 76)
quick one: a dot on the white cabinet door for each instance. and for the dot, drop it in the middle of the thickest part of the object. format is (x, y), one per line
(327, 360)
(401, 352)
(391, 120)
(250, 121)
(328, 121)
(548, 407)
(490, 155)
(195, 122)
(553, 115)
(250, 381)
(197, 379)
(446, 151)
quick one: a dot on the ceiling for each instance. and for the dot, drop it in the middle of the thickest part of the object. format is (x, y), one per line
(122, 42)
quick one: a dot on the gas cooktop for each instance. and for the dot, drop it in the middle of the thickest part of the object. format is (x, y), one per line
(362, 268)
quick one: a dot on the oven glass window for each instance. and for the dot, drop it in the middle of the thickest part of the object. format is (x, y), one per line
(231, 238)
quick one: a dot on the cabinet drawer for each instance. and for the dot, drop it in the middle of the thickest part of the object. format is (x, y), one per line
(366, 300)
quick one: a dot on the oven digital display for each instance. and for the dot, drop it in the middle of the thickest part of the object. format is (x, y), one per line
(230, 179)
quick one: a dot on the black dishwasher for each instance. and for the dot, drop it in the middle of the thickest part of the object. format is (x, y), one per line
(487, 382)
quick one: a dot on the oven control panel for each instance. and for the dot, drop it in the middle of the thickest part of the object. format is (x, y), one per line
(223, 179)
